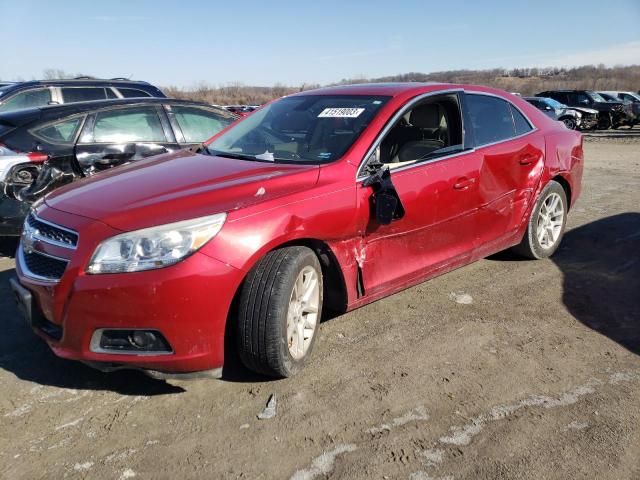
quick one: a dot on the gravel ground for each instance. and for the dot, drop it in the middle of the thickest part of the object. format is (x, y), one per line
(503, 369)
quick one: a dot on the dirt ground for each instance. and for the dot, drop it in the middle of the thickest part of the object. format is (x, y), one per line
(538, 377)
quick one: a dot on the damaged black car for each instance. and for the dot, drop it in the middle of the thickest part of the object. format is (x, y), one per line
(44, 148)
(610, 114)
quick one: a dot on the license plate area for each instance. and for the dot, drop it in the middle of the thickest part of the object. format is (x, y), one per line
(31, 312)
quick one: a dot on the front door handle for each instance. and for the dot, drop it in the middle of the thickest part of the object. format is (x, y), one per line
(526, 160)
(463, 183)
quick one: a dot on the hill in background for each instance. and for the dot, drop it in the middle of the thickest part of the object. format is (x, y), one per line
(527, 81)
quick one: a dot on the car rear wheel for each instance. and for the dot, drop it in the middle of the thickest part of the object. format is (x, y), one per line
(279, 311)
(546, 224)
(604, 121)
(570, 123)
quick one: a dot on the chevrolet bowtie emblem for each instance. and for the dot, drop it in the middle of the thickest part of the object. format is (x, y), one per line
(29, 239)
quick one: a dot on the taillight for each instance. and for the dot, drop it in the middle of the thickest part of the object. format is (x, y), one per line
(37, 157)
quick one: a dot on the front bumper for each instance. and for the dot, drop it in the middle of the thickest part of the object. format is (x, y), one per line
(587, 123)
(188, 303)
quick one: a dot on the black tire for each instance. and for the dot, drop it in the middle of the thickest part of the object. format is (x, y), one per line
(604, 121)
(263, 309)
(530, 246)
(570, 123)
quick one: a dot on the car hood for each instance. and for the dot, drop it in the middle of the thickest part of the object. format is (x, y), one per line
(177, 187)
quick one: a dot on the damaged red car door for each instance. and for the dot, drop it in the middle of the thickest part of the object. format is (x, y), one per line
(439, 196)
(512, 161)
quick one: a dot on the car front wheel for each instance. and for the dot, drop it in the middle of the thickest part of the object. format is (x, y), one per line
(546, 224)
(570, 123)
(279, 311)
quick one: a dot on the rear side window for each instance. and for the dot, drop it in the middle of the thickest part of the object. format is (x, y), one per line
(140, 124)
(133, 93)
(197, 124)
(491, 119)
(31, 98)
(521, 123)
(61, 132)
(82, 94)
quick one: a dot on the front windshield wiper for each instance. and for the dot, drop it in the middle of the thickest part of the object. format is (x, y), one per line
(239, 156)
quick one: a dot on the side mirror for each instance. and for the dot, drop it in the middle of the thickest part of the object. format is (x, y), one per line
(385, 200)
(547, 107)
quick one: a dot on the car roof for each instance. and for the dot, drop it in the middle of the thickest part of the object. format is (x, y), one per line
(384, 89)
(565, 90)
(51, 112)
(80, 81)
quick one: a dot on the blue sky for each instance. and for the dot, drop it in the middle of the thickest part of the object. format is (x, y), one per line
(264, 42)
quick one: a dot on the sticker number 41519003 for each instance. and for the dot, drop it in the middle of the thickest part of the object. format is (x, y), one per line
(341, 112)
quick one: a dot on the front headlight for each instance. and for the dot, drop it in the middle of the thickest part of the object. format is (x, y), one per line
(154, 247)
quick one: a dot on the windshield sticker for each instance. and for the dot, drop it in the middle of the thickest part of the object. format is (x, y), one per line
(341, 113)
(267, 155)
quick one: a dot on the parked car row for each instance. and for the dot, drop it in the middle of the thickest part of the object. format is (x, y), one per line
(324, 200)
(586, 109)
(38, 93)
(43, 148)
(573, 118)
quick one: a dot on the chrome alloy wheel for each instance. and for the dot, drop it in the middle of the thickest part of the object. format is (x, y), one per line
(302, 317)
(550, 221)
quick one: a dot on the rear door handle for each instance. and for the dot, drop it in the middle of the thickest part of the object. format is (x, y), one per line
(463, 183)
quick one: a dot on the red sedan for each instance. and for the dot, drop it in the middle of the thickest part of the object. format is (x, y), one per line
(321, 201)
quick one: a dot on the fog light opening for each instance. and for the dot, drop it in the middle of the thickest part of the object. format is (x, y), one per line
(129, 342)
(142, 339)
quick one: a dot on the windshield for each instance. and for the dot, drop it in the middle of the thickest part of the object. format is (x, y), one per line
(555, 104)
(596, 97)
(306, 129)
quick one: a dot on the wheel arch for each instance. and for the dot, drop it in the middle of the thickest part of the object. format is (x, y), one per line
(334, 285)
(566, 186)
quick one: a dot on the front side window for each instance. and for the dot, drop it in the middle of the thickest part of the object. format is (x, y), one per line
(132, 93)
(579, 98)
(28, 99)
(630, 97)
(60, 132)
(82, 94)
(596, 97)
(197, 124)
(430, 129)
(306, 129)
(491, 119)
(140, 124)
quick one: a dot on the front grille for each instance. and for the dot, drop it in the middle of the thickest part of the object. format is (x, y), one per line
(43, 266)
(48, 231)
